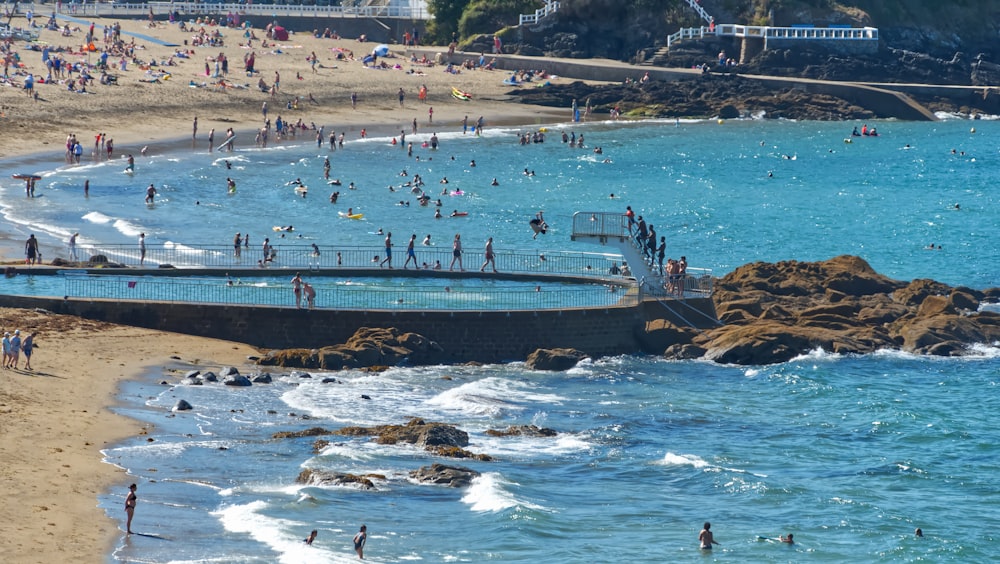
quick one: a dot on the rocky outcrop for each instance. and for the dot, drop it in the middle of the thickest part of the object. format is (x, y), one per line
(554, 359)
(522, 431)
(367, 347)
(416, 431)
(438, 438)
(774, 312)
(311, 432)
(442, 475)
(702, 96)
(321, 478)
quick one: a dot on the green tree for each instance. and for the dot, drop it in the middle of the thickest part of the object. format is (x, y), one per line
(489, 16)
(446, 14)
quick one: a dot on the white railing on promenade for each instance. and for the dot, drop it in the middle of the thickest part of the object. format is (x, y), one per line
(689, 33)
(244, 10)
(550, 7)
(799, 32)
(772, 32)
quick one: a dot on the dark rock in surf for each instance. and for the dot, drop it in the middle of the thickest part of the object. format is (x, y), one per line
(442, 475)
(554, 359)
(236, 380)
(182, 405)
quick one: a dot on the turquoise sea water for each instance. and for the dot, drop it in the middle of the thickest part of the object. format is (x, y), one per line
(848, 453)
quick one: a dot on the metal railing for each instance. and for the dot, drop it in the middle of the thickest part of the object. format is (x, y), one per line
(551, 6)
(600, 224)
(799, 32)
(334, 293)
(689, 33)
(697, 7)
(304, 258)
(771, 32)
(613, 228)
(267, 10)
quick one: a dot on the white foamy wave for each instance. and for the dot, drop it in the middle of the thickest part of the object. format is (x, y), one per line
(520, 448)
(990, 307)
(490, 397)
(127, 228)
(180, 248)
(97, 217)
(277, 534)
(671, 459)
(487, 493)
(984, 351)
(817, 354)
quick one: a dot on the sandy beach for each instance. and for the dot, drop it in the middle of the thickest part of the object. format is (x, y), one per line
(55, 419)
(142, 111)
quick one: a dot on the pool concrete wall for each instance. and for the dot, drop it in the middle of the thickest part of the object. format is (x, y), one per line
(487, 336)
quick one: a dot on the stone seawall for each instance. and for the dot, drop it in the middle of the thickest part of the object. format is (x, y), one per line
(486, 336)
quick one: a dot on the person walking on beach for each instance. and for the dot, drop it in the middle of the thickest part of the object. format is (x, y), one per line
(388, 251)
(456, 253)
(130, 501)
(27, 347)
(409, 252)
(297, 290)
(490, 257)
(15, 349)
(31, 254)
(6, 349)
(194, 128)
(142, 248)
(359, 541)
(705, 537)
(402, 96)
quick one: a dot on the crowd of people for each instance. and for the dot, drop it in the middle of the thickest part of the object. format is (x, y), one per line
(654, 252)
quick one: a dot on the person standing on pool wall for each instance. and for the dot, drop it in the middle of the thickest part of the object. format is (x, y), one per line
(456, 253)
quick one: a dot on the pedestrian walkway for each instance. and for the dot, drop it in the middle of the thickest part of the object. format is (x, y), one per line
(86, 23)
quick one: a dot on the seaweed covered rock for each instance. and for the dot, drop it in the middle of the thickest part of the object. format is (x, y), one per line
(367, 347)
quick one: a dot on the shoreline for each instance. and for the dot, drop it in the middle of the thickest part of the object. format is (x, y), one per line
(59, 417)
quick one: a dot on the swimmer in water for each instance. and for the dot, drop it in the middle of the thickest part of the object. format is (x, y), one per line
(427, 240)
(494, 183)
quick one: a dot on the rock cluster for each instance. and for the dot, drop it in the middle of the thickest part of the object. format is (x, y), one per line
(702, 96)
(323, 478)
(774, 312)
(367, 347)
